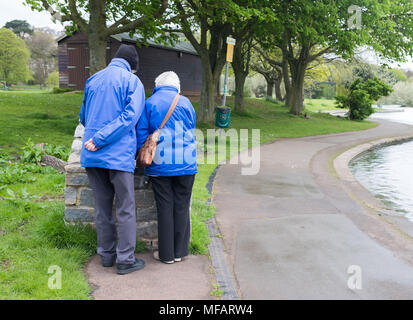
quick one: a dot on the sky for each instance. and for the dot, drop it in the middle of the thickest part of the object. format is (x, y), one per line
(14, 9)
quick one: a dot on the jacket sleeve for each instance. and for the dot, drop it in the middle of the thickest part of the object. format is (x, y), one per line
(82, 116)
(142, 129)
(135, 103)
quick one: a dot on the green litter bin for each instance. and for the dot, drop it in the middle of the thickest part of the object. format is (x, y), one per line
(222, 117)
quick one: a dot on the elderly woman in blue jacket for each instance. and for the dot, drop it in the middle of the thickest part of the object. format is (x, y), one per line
(173, 169)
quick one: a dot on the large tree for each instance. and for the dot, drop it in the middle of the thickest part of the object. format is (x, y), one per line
(207, 31)
(43, 57)
(249, 16)
(14, 57)
(308, 29)
(100, 19)
(21, 28)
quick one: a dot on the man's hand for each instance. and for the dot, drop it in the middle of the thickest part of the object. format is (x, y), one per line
(90, 145)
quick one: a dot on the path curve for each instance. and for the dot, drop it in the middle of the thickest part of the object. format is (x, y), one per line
(297, 231)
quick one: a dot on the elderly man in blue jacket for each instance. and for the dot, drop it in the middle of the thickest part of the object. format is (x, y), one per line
(113, 102)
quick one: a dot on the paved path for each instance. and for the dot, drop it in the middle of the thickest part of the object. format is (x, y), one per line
(293, 230)
(190, 279)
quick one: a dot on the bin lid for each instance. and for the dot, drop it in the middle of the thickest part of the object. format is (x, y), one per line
(222, 109)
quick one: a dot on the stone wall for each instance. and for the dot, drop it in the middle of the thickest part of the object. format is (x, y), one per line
(79, 195)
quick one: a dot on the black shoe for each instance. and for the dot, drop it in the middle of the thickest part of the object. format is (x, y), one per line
(108, 263)
(128, 268)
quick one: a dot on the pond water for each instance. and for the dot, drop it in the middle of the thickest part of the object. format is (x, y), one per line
(388, 172)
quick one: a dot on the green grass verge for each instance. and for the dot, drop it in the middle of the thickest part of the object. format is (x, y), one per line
(316, 105)
(33, 235)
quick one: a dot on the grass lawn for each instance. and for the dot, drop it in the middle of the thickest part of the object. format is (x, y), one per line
(33, 235)
(316, 105)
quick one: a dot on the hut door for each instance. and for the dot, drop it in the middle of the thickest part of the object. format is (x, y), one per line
(78, 66)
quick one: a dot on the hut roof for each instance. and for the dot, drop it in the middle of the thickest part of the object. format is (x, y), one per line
(181, 46)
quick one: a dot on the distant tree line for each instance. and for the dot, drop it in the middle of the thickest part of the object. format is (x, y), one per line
(28, 54)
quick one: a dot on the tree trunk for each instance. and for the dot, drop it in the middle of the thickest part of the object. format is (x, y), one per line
(287, 82)
(278, 94)
(240, 78)
(297, 89)
(97, 52)
(270, 87)
(97, 43)
(207, 103)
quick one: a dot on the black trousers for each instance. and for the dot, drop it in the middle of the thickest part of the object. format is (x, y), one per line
(173, 198)
(107, 184)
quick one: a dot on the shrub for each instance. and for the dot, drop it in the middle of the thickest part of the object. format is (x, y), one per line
(57, 90)
(361, 96)
(53, 79)
(32, 153)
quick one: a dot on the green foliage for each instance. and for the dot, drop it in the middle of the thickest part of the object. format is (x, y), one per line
(15, 172)
(361, 97)
(57, 90)
(31, 153)
(14, 57)
(22, 198)
(19, 27)
(60, 151)
(53, 79)
(217, 291)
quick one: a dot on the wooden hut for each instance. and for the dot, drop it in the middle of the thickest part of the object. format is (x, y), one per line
(153, 60)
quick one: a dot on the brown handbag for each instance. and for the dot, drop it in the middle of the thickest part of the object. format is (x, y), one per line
(147, 151)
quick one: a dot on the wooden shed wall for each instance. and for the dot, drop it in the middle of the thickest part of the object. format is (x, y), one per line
(74, 64)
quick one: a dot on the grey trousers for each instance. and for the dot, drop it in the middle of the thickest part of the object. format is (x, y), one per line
(107, 184)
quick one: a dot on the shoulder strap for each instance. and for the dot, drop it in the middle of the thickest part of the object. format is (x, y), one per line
(170, 111)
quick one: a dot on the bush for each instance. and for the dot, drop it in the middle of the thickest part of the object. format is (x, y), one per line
(53, 79)
(32, 153)
(57, 90)
(362, 94)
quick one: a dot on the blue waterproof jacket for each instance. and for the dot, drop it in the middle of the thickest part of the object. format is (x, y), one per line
(176, 151)
(112, 105)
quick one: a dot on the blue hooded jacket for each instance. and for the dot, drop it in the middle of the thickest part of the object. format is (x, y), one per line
(112, 105)
(176, 150)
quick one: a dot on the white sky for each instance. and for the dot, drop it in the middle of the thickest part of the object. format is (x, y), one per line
(14, 9)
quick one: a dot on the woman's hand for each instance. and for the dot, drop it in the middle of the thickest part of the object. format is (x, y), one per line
(90, 145)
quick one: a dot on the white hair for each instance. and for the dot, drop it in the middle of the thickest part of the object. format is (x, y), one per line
(168, 78)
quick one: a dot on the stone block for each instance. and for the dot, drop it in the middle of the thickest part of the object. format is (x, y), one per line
(86, 197)
(74, 168)
(144, 198)
(147, 230)
(74, 158)
(70, 195)
(79, 214)
(146, 214)
(77, 146)
(78, 179)
(80, 130)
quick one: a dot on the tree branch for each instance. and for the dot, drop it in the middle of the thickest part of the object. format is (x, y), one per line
(128, 25)
(76, 17)
(49, 8)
